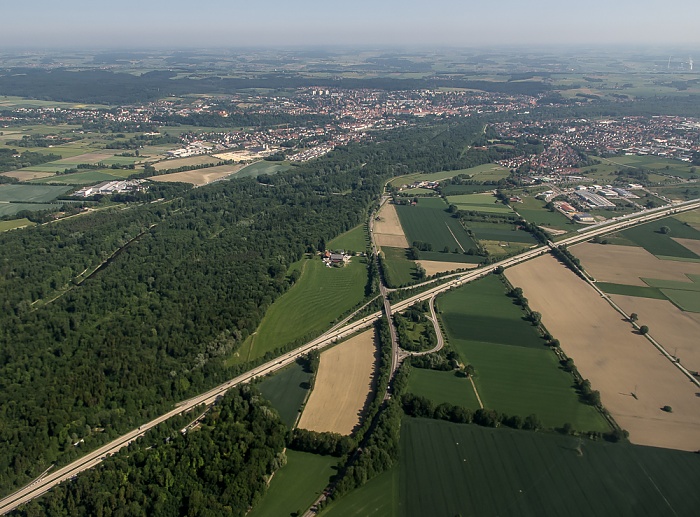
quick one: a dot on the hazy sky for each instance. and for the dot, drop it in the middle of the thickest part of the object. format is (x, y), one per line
(159, 23)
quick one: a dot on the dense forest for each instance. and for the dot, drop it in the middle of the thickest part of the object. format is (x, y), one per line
(85, 357)
(104, 87)
(219, 468)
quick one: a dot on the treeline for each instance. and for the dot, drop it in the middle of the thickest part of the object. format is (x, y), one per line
(11, 159)
(106, 87)
(221, 468)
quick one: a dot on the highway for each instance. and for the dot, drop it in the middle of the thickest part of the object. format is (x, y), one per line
(45, 483)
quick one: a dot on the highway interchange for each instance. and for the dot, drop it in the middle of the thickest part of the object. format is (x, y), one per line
(50, 479)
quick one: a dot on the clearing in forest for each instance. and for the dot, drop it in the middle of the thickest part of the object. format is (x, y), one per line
(342, 387)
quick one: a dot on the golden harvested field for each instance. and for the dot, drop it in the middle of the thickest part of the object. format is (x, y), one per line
(676, 330)
(238, 156)
(201, 176)
(343, 383)
(433, 267)
(27, 175)
(184, 162)
(387, 228)
(692, 244)
(629, 264)
(616, 360)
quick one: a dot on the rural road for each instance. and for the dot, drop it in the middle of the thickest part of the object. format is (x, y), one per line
(44, 484)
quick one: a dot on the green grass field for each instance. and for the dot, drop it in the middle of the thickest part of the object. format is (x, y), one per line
(482, 312)
(500, 232)
(686, 300)
(693, 285)
(261, 167)
(485, 172)
(515, 373)
(631, 290)
(287, 391)
(30, 193)
(399, 269)
(353, 240)
(378, 498)
(479, 203)
(442, 387)
(87, 177)
(451, 469)
(296, 486)
(455, 190)
(14, 223)
(319, 297)
(429, 221)
(651, 239)
(534, 211)
(14, 208)
(662, 166)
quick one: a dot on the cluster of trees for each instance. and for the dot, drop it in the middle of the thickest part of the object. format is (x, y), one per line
(326, 443)
(221, 468)
(138, 141)
(12, 159)
(569, 260)
(415, 316)
(418, 406)
(41, 141)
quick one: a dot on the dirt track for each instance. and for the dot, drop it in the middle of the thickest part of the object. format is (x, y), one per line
(617, 361)
(343, 383)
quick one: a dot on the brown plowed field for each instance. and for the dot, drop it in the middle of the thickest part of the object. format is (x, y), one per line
(692, 244)
(670, 326)
(343, 384)
(27, 175)
(387, 228)
(616, 360)
(629, 264)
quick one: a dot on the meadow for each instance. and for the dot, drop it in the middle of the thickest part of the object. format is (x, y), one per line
(649, 237)
(287, 391)
(377, 498)
(15, 223)
(30, 193)
(479, 203)
(87, 177)
(398, 268)
(534, 211)
(296, 486)
(454, 190)
(14, 208)
(262, 167)
(500, 232)
(442, 387)
(456, 469)
(429, 222)
(319, 297)
(485, 172)
(352, 240)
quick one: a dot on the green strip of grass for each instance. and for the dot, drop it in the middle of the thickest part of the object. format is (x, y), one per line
(685, 300)
(631, 290)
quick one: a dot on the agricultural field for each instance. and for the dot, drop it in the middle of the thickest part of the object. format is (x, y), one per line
(86, 178)
(387, 228)
(457, 469)
(398, 268)
(660, 166)
(176, 163)
(533, 210)
(352, 240)
(515, 372)
(455, 190)
(429, 222)
(262, 167)
(199, 177)
(486, 203)
(442, 387)
(634, 380)
(14, 208)
(433, 267)
(296, 486)
(379, 497)
(30, 193)
(14, 224)
(485, 172)
(650, 237)
(287, 391)
(342, 387)
(319, 297)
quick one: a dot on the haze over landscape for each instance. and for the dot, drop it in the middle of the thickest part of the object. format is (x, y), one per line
(180, 23)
